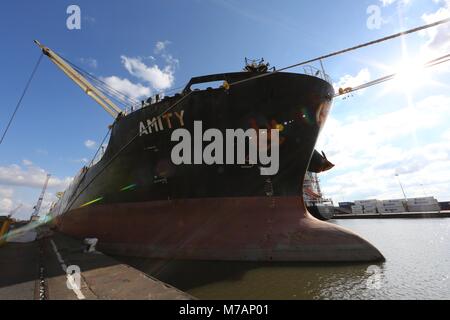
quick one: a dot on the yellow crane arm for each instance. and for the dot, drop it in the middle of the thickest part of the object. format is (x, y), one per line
(84, 84)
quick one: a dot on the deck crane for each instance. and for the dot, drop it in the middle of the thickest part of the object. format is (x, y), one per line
(82, 82)
(37, 207)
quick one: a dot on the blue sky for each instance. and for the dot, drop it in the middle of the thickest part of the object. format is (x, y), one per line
(118, 41)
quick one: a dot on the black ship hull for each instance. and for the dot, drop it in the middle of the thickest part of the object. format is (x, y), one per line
(136, 201)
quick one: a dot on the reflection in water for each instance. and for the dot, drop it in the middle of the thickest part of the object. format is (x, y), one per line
(417, 267)
(244, 280)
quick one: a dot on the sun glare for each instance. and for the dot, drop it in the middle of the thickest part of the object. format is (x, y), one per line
(410, 74)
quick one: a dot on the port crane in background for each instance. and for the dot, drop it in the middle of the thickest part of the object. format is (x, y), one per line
(37, 207)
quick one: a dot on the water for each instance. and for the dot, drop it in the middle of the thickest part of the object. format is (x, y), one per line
(417, 266)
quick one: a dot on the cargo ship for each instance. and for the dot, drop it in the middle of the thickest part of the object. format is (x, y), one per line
(137, 202)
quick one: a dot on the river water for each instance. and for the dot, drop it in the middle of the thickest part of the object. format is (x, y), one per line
(417, 266)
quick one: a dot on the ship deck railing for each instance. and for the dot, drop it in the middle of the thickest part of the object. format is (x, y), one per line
(308, 70)
(316, 72)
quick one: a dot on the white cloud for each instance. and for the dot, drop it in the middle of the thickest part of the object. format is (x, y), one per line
(27, 162)
(153, 76)
(368, 151)
(6, 192)
(347, 81)
(446, 135)
(170, 60)
(29, 176)
(90, 62)
(90, 144)
(14, 179)
(128, 88)
(160, 46)
(160, 49)
(6, 205)
(160, 79)
(438, 38)
(386, 3)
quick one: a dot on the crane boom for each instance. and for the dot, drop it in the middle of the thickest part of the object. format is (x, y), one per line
(37, 207)
(84, 84)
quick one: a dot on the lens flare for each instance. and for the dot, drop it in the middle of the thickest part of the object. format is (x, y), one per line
(91, 202)
(130, 187)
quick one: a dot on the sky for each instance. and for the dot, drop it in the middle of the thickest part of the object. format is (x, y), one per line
(144, 47)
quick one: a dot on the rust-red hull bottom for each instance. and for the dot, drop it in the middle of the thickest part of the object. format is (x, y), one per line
(240, 229)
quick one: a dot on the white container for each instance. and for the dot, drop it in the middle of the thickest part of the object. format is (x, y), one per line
(395, 208)
(427, 199)
(422, 201)
(357, 210)
(366, 202)
(393, 205)
(424, 208)
(392, 202)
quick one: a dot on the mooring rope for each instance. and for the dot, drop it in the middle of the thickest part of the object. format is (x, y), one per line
(21, 98)
(393, 36)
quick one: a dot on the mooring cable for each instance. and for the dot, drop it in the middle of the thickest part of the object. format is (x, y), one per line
(393, 36)
(428, 64)
(21, 98)
(108, 163)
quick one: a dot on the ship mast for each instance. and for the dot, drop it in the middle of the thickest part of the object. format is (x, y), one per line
(84, 84)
